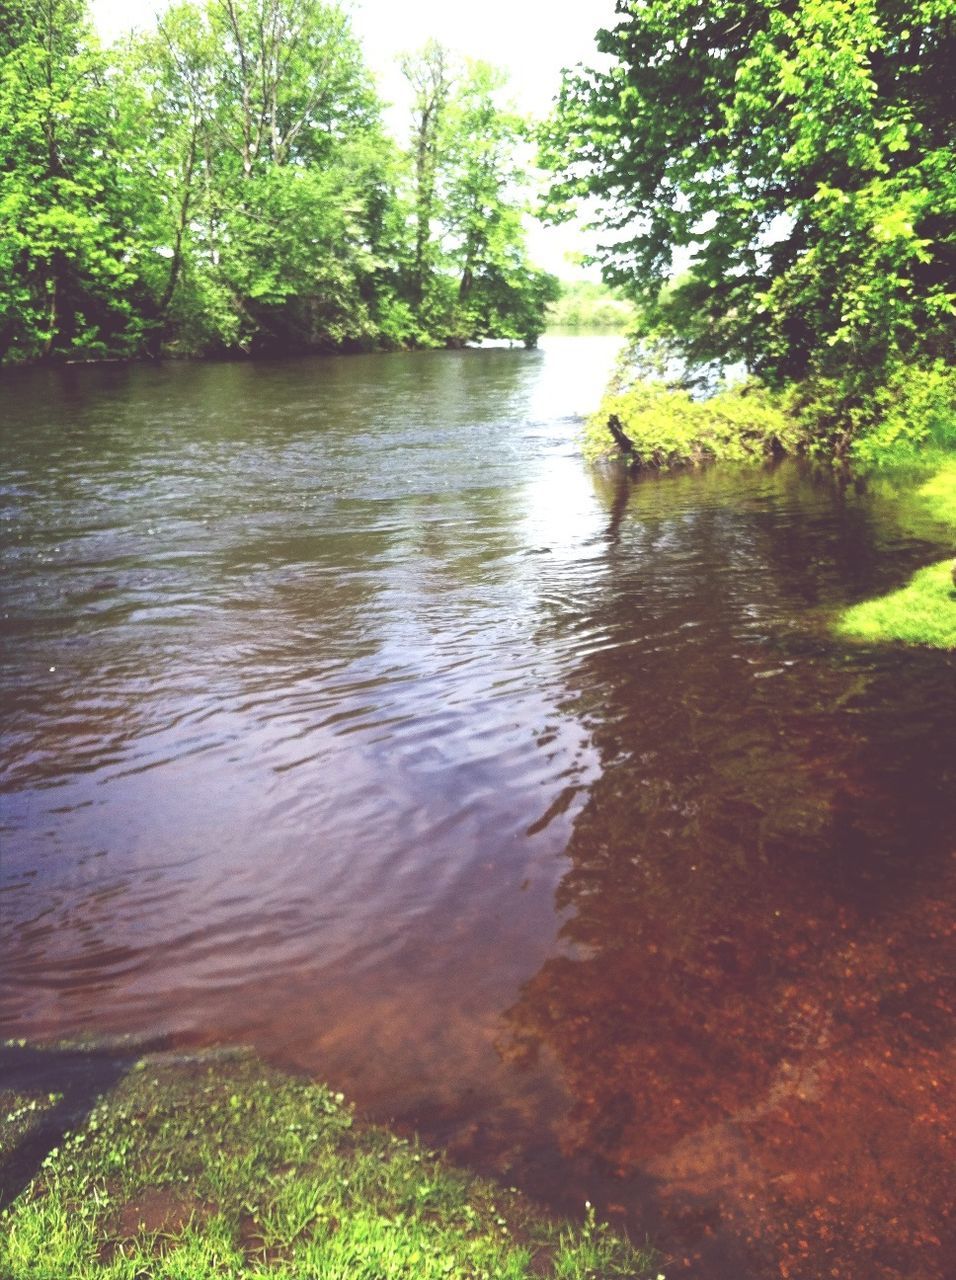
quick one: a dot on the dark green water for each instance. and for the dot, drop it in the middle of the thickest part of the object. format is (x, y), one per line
(348, 715)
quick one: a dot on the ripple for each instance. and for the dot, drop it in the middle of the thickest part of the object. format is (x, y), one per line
(345, 710)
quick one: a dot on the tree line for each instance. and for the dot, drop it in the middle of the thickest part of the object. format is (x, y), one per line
(225, 183)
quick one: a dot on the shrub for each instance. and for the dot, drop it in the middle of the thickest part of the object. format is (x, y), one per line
(669, 428)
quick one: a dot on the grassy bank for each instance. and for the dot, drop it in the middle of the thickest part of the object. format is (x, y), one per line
(923, 611)
(220, 1167)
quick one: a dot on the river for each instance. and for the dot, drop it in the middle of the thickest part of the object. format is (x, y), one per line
(347, 714)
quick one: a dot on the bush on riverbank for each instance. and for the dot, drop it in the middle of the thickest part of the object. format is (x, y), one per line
(220, 1167)
(908, 422)
(670, 429)
(902, 423)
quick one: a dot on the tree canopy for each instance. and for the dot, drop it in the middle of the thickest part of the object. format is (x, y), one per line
(225, 183)
(800, 157)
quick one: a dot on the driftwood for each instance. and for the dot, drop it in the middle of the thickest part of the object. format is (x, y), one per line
(622, 440)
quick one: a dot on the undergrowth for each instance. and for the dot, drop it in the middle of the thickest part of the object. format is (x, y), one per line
(669, 428)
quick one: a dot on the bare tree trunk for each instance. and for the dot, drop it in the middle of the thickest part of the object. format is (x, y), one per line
(623, 441)
(427, 73)
(176, 262)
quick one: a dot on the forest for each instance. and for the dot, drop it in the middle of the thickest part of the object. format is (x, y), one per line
(225, 184)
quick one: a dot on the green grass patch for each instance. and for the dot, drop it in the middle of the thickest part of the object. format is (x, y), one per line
(670, 429)
(922, 612)
(220, 1167)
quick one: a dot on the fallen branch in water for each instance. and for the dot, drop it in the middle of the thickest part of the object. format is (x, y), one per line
(622, 440)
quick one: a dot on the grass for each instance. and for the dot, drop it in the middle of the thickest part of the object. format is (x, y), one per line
(220, 1167)
(924, 611)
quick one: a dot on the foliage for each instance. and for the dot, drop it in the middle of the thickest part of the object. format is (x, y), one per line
(922, 612)
(670, 429)
(912, 416)
(802, 157)
(471, 277)
(218, 1167)
(428, 75)
(224, 183)
(938, 494)
(586, 304)
(274, 129)
(70, 255)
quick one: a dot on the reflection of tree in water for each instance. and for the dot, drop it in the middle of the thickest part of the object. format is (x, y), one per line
(750, 883)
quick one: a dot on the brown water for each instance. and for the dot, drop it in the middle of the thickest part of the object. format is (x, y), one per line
(348, 715)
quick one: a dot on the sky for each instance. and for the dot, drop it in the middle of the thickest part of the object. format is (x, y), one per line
(530, 39)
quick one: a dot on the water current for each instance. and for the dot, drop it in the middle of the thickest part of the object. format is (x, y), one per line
(348, 715)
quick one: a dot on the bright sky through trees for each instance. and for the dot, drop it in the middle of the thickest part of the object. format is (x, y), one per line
(531, 40)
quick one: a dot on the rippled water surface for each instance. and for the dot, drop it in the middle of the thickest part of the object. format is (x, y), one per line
(348, 715)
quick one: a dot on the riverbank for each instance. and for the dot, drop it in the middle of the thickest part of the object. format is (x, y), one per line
(173, 355)
(216, 1166)
(924, 610)
(663, 429)
(667, 429)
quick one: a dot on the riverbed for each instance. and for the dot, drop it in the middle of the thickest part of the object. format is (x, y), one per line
(348, 715)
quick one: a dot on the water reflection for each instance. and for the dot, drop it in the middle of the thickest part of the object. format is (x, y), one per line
(344, 711)
(750, 1012)
(273, 700)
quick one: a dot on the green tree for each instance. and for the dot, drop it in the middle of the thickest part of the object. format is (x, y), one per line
(270, 129)
(224, 183)
(499, 293)
(429, 78)
(71, 263)
(802, 156)
(470, 276)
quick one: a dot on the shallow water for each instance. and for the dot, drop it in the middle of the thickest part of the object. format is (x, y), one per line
(348, 715)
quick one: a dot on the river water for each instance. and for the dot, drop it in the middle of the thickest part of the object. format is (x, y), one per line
(348, 715)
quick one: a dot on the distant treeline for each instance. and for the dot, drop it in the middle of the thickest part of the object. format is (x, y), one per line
(587, 304)
(224, 183)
